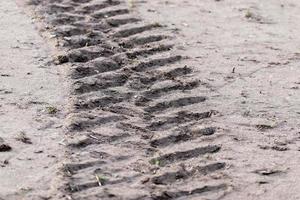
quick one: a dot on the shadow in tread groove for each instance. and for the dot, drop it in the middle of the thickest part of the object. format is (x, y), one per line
(174, 104)
(166, 195)
(183, 136)
(184, 155)
(171, 177)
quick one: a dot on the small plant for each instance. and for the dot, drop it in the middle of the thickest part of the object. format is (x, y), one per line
(155, 161)
(249, 14)
(51, 110)
(131, 3)
(101, 179)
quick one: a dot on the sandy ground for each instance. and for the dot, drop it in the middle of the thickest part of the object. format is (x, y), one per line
(29, 89)
(247, 53)
(169, 100)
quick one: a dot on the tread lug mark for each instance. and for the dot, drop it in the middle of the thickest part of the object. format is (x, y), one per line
(100, 182)
(149, 79)
(81, 1)
(166, 195)
(180, 118)
(171, 177)
(59, 8)
(119, 22)
(184, 155)
(99, 102)
(66, 18)
(111, 13)
(157, 92)
(86, 54)
(156, 63)
(81, 143)
(101, 99)
(82, 41)
(81, 87)
(75, 167)
(123, 110)
(148, 51)
(136, 30)
(81, 125)
(92, 8)
(69, 30)
(203, 131)
(77, 188)
(131, 127)
(130, 43)
(182, 137)
(178, 72)
(174, 104)
(94, 67)
(108, 139)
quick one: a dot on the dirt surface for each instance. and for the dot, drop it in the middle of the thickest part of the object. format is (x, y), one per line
(30, 130)
(172, 99)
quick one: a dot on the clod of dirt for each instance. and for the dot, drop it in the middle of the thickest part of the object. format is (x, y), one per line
(280, 148)
(61, 59)
(4, 163)
(5, 147)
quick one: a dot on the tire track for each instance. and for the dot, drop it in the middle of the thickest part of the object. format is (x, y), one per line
(124, 71)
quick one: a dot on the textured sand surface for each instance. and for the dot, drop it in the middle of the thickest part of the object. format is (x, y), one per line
(172, 99)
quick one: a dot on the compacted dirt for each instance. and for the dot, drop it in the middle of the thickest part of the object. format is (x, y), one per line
(175, 99)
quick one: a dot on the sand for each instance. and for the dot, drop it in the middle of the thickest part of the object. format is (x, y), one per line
(29, 87)
(155, 99)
